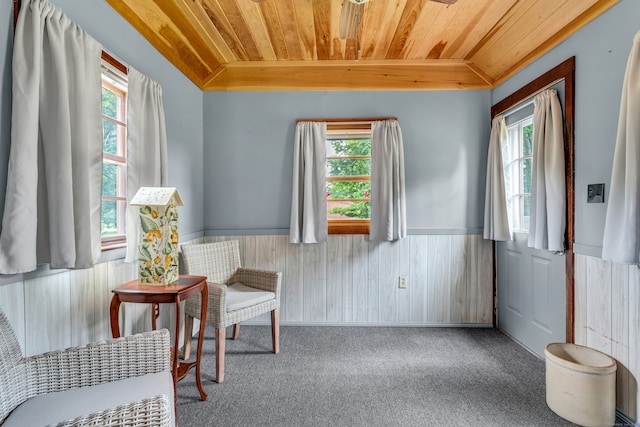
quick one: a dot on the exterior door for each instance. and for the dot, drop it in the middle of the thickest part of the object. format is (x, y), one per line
(531, 284)
(531, 294)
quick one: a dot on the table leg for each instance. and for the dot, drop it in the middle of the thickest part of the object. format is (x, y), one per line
(204, 297)
(114, 310)
(175, 363)
(155, 313)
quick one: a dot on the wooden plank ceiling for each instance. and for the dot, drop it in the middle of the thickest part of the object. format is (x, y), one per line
(400, 45)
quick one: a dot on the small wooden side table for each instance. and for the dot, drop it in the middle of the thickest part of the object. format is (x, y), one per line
(180, 290)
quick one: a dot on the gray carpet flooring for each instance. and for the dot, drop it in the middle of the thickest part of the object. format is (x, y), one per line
(369, 376)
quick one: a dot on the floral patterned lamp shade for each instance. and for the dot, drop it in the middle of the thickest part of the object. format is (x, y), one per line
(158, 246)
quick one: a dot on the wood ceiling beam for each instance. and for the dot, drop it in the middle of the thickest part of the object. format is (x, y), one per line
(484, 76)
(207, 82)
(349, 75)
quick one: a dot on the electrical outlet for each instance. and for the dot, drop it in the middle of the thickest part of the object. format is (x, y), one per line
(402, 282)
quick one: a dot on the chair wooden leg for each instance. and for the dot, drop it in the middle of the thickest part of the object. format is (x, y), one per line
(275, 330)
(221, 336)
(236, 331)
(188, 335)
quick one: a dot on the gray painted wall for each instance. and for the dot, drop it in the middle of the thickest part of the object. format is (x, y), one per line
(182, 99)
(248, 153)
(601, 50)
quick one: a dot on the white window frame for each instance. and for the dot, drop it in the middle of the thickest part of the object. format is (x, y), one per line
(114, 80)
(345, 131)
(515, 172)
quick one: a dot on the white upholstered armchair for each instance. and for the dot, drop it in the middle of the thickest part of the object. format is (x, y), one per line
(235, 294)
(123, 382)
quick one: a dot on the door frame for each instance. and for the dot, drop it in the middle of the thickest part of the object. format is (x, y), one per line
(562, 72)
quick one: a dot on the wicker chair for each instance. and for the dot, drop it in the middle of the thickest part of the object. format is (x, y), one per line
(123, 382)
(235, 294)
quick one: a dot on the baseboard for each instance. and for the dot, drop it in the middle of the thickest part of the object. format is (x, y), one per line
(541, 357)
(376, 324)
(623, 420)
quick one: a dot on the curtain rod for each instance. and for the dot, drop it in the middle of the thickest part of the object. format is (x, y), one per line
(518, 105)
(114, 62)
(348, 120)
(522, 105)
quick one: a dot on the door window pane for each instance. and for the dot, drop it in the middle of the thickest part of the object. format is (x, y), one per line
(520, 161)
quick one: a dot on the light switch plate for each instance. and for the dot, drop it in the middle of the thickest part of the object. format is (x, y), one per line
(595, 193)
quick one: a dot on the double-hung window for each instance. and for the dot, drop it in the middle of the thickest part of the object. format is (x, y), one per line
(348, 178)
(519, 168)
(114, 156)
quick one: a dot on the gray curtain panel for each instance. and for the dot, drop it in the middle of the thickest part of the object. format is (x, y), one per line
(496, 219)
(53, 198)
(147, 164)
(309, 194)
(548, 195)
(388, 204)
(621, 241)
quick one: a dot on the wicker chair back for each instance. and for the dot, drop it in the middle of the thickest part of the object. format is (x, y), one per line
(218, 261)
(13, 377)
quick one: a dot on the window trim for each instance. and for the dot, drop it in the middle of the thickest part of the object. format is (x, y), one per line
(349, 226)
(346, 124)
(120, 240)
(565, 71)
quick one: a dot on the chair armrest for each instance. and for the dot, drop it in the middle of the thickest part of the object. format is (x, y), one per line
(217, 309)
(98, 363)
(152, 412)
(217, 300)
(264, 280)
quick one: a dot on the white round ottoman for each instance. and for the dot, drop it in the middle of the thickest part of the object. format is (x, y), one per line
(581, 384)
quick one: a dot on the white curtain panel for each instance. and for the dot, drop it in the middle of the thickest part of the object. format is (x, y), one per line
(309, 194)
(147, 164)
(388, 201)
(53, 197)
(496, 218)
(548, 196)
(621, 243)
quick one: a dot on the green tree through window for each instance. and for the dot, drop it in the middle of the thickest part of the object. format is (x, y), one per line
(349, 183)
(109, 171)
(520, 167)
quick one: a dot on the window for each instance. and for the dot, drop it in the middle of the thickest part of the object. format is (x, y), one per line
(114, 155)
(519, 167)
(348, 178)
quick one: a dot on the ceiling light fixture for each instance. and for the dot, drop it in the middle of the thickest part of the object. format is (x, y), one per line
(350, 18)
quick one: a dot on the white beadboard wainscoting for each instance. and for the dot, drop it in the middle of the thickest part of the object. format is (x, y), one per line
(351, 280)
(61, 309)
(607, 303)
(348, 280)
